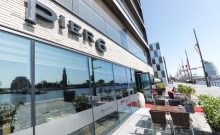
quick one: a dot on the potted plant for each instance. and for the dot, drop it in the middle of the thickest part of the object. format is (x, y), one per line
(81, 103)
(160, 87)
(119, 94)
(7, 117)
(211, 110)
(124, 93)
(180, 88)
(187, 91)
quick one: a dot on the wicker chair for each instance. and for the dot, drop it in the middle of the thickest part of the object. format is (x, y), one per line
(181, 122)
(174, 102)
(159, 120)
(159, 102)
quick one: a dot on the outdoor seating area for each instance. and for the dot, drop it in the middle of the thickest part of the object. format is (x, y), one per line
(140, 123)
(173, 116)
(167, 115)
(171, 109)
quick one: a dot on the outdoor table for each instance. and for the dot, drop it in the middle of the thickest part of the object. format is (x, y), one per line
(168, 108)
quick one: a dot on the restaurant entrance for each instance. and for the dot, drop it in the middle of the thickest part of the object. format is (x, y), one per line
(143, 83)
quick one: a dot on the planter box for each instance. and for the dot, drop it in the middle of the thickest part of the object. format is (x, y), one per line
(189, 108)
(69, 96)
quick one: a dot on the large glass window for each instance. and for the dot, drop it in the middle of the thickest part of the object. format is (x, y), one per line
(151, 47)
(92, 12)
(63, 94)
(122, 93)
(153, 61)
(67, 86)
(67, 3)
(15, 92)
(155, 54)
(158, 68)
(146, 85)
(90, 16)
(132, 89)
(163, 74)
(160, 59)
(104, 103)
(157, 46)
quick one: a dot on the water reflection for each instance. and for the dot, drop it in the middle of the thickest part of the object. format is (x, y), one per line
(14, 83)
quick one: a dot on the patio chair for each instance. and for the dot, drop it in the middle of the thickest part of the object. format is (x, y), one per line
(159, 120)
(174, 102)
(159, 102)
(181, 123)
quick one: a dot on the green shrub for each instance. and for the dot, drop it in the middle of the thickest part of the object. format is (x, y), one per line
(160, 86)
(211, 107)
(180, 87)
(81, 103)
(8, 112)
(187, 90)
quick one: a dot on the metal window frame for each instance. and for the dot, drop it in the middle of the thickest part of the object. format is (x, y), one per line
(33, 103)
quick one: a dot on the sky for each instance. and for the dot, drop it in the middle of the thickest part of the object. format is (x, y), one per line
(171, 23)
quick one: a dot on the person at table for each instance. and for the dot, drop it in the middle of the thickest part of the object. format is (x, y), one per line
(174, 89)
(171, 93)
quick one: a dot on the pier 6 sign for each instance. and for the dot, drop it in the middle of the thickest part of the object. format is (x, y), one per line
(36, 9)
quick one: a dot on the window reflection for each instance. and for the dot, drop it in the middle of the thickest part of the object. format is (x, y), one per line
(62, 86)
(63, 91)
(102, 82)
(121, 83)
(122, 92)
(132, 89)
(14, 83)
(91, 12)
(105, 107)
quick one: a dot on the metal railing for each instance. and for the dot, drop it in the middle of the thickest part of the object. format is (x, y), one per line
(213, 83)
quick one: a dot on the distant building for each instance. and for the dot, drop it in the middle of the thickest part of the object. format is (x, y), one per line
(20, 84)
(211, 68)
(158, 62)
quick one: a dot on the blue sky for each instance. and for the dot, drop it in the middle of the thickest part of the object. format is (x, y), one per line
(171, 23)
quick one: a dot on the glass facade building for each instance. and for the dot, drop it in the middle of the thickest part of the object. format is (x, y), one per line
(54, 83)
(66, 83)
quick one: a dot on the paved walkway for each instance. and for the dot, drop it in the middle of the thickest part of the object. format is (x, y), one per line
(140, 123)
(201, 89)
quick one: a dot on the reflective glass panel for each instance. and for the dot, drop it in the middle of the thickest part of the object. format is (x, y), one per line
(145, 85)
(63, 95)
(132, 89)
(122, 93)
(15, 92)
(104, 103)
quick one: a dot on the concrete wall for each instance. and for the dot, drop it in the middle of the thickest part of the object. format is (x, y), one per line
(12, 15)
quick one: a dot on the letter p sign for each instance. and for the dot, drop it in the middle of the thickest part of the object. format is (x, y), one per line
(37, 9)
(30, 15)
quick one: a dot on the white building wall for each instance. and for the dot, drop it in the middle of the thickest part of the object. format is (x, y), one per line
(12, 14)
